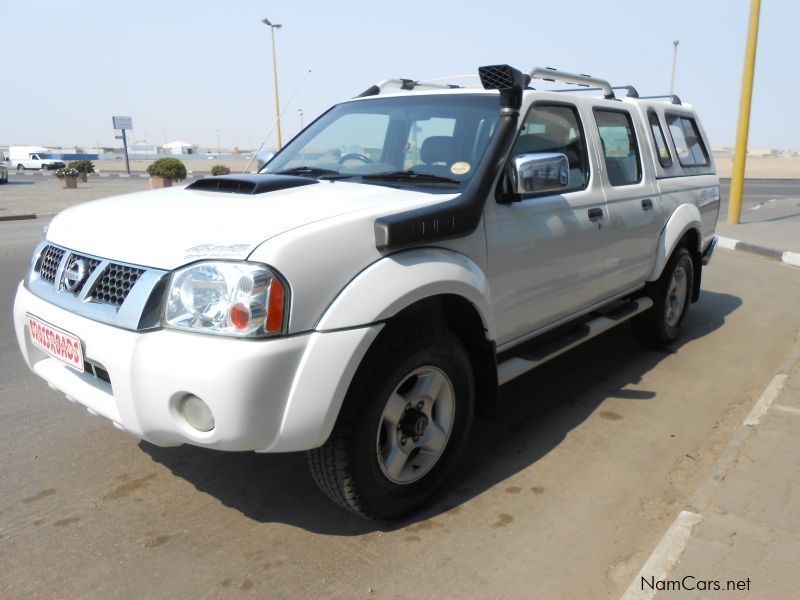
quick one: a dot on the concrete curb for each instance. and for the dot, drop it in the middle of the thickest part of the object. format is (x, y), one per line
(790, 258)
(27, 217)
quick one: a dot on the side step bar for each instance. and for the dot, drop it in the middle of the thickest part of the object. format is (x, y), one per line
(532, 358)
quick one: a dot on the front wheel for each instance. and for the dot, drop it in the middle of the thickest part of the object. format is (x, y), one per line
(671, 295)
(402, 427)
(20, 167)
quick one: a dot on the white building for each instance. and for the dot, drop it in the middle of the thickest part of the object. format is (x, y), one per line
(178, 147)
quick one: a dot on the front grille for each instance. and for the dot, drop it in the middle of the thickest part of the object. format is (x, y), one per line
(115, 284)
(103, 293)
(48, 265)
(91, 265)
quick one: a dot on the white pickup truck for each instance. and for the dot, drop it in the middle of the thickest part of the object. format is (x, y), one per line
(366, 293)
(34, 157)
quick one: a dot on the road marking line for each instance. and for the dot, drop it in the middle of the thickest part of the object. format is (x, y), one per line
(665, 556)
(792, 410)
(765, 400)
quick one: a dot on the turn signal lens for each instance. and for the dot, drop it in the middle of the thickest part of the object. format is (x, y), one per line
(275, 312)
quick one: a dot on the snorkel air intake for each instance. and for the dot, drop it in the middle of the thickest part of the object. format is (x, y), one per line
(460, 216)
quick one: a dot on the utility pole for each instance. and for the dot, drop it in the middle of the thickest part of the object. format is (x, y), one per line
(674, 61)
(742, 131)
(272, 28)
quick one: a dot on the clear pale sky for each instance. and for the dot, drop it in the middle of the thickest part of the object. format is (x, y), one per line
(183, 70)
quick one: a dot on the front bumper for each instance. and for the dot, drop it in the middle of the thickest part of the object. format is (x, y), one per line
(275, 395)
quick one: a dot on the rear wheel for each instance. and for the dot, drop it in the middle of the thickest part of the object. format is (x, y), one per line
(671, 295)
(402, 427)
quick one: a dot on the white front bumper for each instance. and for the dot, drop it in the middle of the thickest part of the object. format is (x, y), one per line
(275, 395)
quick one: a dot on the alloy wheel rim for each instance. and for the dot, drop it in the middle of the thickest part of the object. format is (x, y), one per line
(415, 425)
(677, 294)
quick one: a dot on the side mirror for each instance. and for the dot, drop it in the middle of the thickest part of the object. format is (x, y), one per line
(538, 173)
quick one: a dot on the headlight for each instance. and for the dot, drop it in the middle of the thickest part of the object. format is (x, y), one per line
(230, 298)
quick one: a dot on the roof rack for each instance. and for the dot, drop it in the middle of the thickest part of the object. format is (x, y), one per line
(585, 83)
(632, 93)
(406, 84)
(671, 97)
(583, 80)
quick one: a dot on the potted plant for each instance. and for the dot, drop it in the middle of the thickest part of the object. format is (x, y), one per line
(84, 167)
(220, 170)
(68, 177)
(164, 171)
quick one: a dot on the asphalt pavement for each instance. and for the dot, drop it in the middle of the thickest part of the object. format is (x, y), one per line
(564, 495)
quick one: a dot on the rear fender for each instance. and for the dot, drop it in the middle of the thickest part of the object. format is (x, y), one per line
(685, 218)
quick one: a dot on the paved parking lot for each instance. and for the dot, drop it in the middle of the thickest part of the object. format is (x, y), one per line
(564, 495)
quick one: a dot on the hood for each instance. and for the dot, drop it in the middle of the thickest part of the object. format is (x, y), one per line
(167, 228)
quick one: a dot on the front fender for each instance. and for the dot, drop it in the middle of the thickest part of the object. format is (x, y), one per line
(683, 218)
(394, 282)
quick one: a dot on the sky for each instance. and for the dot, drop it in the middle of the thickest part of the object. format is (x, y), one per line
(198, 70)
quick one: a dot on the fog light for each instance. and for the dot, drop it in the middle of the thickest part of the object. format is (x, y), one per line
(197, 413)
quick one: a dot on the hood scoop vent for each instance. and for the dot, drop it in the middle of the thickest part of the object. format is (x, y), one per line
(249, 184)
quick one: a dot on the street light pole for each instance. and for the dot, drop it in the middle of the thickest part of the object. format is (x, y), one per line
(219, 148)
(674, 60)
(300, 111)
(272, 28)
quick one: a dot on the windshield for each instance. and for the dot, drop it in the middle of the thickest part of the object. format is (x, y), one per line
(432, 140)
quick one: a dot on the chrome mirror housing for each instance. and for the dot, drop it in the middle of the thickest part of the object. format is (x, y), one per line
(538, 173)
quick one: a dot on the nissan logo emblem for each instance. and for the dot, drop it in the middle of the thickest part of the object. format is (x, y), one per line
(74, 275)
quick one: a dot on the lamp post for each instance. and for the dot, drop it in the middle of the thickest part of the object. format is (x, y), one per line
(674, 60)
(219, 148)
(300, 112)
(272, 28)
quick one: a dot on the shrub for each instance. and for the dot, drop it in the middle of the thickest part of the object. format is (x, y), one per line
(220, 170)
(82, 166)
(170, 168)
(67, 172)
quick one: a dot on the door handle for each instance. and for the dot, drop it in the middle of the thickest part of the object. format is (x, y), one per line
(647, 204)
(595, 214)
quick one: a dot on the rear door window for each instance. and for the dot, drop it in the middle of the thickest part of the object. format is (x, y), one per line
(688, 143)
(620, 149)
(662, 150)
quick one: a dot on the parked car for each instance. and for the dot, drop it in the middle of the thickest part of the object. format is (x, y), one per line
(365, 294)
(3, 168)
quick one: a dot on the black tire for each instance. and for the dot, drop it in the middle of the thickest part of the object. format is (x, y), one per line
(662, 324)
(20, 167)
(349, 467)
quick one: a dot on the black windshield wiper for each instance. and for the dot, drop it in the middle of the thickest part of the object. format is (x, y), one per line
(411, 176)
(310, 171)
